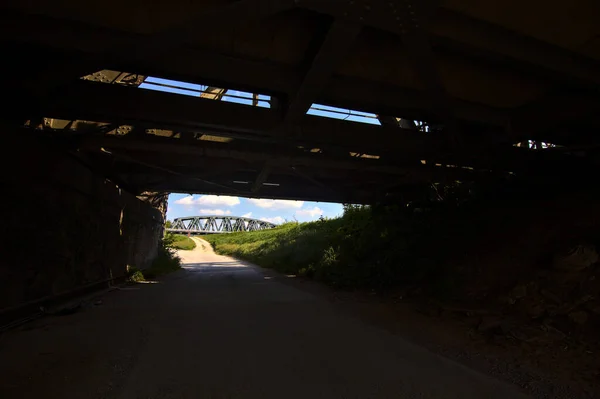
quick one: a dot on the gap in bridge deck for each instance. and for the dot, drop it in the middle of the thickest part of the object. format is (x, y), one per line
(231, 95)
(263, 100)
(205, 91)
(246, 98)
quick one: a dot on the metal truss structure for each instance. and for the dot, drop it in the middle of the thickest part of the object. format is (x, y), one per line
(218, 224)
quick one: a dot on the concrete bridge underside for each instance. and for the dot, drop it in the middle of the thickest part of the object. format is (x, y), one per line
(495, 91)
(490, 85)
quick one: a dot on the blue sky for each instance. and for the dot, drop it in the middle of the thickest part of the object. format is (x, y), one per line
(275, 211)
(240, 97)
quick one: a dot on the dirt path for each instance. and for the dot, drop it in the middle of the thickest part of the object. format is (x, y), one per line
(202, 247)
(223, 329)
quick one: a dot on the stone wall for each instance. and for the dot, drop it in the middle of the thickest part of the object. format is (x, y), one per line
(66, 227)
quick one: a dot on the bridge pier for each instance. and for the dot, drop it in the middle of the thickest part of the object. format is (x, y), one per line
(66, 228)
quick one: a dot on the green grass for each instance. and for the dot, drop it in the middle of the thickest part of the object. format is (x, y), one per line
(288, 248)
(380, 248)
(182, 242)
(358, 250)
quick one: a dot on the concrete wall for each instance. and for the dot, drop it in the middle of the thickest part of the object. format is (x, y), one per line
(65, 227)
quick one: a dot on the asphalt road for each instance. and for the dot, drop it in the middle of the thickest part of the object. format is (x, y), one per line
(223, 329)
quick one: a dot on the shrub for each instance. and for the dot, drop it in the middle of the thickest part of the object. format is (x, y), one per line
(165, 262)
(134, 275)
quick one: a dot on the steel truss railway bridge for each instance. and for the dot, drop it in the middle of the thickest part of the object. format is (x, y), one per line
(217, 225)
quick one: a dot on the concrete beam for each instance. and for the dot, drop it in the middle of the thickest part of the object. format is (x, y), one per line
(337, 42)
(456, 29)
(464, 33)
(116, 104)
(208, 67)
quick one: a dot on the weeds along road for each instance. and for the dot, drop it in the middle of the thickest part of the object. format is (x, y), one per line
(223, 329)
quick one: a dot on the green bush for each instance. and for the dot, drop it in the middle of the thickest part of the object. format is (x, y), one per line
(165, 262)
(134, 275)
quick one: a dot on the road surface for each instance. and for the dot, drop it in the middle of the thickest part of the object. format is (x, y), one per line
(224, 329)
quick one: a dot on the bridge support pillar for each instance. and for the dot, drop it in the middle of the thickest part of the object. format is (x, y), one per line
(66, 227)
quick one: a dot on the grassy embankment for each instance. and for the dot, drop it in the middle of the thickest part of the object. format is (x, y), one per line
(474, 249)
(182, 242)
(357, 250)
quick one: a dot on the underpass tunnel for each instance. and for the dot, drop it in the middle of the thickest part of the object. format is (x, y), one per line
(126, 122)
(108, 114)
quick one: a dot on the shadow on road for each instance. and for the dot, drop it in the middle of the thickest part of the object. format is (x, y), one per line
(214, 267)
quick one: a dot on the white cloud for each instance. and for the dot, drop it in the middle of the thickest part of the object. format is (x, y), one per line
(276, 220)
(309, 213)
(247, 215)
(211, 200)
(185, 201)
(276, 205)
(215, 212)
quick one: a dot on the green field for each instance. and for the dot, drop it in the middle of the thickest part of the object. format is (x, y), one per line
(183, 242)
